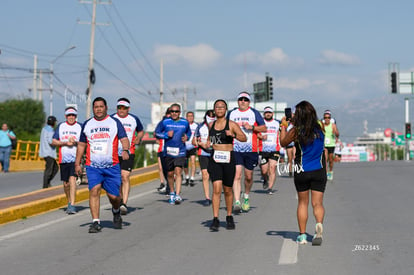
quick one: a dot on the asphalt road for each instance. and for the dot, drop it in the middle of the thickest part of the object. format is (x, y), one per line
(367, 230)
(16, 183)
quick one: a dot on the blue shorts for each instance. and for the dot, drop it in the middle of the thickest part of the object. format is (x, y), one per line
(248, 159)
(110, 178)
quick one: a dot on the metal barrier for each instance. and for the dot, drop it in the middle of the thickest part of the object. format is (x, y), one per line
(26, 150)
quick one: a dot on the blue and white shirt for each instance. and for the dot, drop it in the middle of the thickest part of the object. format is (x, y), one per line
(63, 132)
(174, 146)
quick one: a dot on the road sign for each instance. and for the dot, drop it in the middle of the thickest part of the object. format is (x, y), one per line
(399, 140)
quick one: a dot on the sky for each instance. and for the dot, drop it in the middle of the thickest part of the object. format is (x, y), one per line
(331, 53)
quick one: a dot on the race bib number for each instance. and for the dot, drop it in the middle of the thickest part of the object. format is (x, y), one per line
(327, 140)
(271, 139)
(221, 156)
(99, 148)
(173, 151)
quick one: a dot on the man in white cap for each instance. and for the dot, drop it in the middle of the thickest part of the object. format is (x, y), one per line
(269, 150)
(66, 137)
(135, 131)
(246, 153)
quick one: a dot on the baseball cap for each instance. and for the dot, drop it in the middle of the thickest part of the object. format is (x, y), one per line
(51, 119)
(268, 109)
(244, 94)
(71, 111)
(327, 112)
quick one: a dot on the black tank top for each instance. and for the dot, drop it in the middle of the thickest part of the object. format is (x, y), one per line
(219, 136)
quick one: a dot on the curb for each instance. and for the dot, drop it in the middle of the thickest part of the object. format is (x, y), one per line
(40, 206)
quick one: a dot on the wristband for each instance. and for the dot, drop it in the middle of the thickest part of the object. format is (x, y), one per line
(253, 128)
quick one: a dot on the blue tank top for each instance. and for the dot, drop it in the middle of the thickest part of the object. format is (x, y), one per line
(311, 156)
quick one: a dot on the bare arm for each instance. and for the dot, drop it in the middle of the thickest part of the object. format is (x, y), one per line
(286, 137)
(237, 132)
(79, 153)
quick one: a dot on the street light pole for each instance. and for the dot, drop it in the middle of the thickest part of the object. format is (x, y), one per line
(51, 77)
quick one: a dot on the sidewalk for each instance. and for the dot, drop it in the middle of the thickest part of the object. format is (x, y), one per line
(43, 200)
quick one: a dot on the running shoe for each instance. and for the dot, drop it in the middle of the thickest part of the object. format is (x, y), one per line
(207, 202)
(265, 184)
(270, 191)
(301, 239)
(95, 227)
(192, 182)
(187, 181)
(78, 180)
(246, 205)
(178, 199)
(215, 224)
(71, 209)
(329, 176)
(124, 209)
(162, 186)
(230, 223)
(237, 207)
(317, 238)
(117, 220)
(172, 198)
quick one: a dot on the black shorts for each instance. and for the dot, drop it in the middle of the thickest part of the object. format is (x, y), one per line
(330, 150)
(203, 160)
(265, 156)
(67, 170)
(128, 164)
(191, 152)
(171, 162)
(313, 180)
(222, 171)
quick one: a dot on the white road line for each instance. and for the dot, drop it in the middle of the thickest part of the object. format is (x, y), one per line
(43, 225)
(289, 252)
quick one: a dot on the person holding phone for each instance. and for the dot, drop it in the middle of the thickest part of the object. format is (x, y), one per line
(308, 137)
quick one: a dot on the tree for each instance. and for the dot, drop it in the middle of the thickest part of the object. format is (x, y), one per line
(24, 116)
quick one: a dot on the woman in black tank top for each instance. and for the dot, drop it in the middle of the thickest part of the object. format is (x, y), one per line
(221, 166)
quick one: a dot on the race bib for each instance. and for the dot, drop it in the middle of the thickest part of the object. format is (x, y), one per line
(173, 151)
(327, 140)
(271, 139)
(99, 148)
(221, 156)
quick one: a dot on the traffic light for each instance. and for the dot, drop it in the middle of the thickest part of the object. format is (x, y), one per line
(408, 130)
(269, 87)
(394, 84)
(392, 136)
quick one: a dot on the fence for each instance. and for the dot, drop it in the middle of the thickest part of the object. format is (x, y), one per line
(26, 150)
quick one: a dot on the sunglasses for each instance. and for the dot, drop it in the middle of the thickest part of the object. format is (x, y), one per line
(174, 111)
(327, 117)
(244, 99)
(71, 115)
(122, 107)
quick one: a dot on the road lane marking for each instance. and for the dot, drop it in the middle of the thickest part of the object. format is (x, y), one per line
(289, 252)
(43, 225)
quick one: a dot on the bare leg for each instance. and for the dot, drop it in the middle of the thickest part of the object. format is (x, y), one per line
(302, 212)
(237, 182)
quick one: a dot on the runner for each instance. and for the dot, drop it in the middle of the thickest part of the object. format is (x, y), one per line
(221, 166)
(66, 137)
(175, 131)
(200, 141)
(135, 131)
(162, 169)
(191, 152)
(310, 171)
(100, 135)
(269, 150)
(331, 136)
(245, 152)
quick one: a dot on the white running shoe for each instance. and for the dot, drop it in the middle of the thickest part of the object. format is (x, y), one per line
(317, 238)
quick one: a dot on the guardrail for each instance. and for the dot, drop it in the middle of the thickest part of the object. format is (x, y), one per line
(26, 150)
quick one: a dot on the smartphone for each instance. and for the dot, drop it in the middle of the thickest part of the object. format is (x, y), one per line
(288, 113)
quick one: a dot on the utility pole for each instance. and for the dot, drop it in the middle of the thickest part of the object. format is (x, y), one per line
(91, 76)
(35, 78)
(161, 88)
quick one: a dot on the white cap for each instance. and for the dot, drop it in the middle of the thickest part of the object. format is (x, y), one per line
(244, 94)
(71, 111)
(123, 103)
(268, 109)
